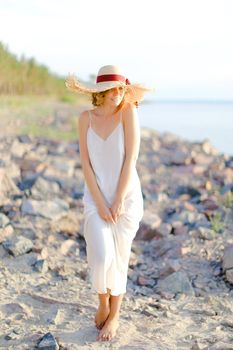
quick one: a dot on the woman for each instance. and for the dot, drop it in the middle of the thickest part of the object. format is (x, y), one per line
(109, 140)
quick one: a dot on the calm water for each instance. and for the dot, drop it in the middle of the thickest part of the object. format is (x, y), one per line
(195, 121)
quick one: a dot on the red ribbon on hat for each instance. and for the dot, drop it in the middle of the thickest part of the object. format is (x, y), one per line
(112, 77)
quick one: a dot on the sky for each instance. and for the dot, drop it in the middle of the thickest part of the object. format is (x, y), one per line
(182, 48)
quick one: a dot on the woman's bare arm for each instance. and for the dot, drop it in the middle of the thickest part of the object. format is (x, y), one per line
(85, 160)
(132, 145)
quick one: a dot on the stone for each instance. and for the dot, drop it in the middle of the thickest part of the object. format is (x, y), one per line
(69, 224)
(3, 220)
(19, 149)
(191, 191)
(143, 281)
(164, 248)
(6, 232)
(53, 210)
(41, 266)
(67, 246)
(171, 266)
(42, 188)
(148, 228)
(177, 282)
(206, 233)
(227, 261)
(8, 187)
(17, 245)
(229, 275)
(179, 157)
(48, 342)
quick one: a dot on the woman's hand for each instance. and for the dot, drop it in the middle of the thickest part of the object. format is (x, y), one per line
(105, 213)
(117, 209)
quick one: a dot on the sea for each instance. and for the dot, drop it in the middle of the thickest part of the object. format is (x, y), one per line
(192, 120)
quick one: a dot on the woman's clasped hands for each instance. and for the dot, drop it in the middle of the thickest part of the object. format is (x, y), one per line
(111, 214)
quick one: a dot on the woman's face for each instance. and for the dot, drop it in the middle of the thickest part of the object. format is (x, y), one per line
(114, 96)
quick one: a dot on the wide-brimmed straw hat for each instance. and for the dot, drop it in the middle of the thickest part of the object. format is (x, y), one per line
(108, 77)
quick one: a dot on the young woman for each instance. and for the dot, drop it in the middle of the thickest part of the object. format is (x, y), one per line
(109, 140)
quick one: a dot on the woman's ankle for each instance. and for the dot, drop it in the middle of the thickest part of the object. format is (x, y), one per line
(113, 317)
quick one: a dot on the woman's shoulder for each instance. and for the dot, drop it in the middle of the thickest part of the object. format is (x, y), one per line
(85, 114)
(127, 110)
(83, 119)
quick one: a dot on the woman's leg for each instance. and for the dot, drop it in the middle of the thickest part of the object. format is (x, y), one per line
(123, 236)
(103, 309)
(108, 331)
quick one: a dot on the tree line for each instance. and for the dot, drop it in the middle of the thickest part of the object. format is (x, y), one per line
(21, 76)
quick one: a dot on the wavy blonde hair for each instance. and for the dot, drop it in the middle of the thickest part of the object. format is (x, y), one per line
(98, 98)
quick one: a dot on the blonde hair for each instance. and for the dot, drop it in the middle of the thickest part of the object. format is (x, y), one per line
(98, 98)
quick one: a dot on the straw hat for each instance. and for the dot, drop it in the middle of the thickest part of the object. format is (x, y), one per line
(108, 77)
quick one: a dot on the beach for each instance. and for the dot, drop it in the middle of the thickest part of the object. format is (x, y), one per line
(180, 276)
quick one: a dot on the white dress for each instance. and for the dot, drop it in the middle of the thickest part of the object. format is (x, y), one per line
(108, 245)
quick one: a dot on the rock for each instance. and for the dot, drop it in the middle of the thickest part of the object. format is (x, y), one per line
(60, 165)
(179, 157)
(149, 311)
(27, 182)
(229, 275)
(180, 230)
(193, 219)
(227, 188)
(18, 245)
(163, 248)
(47, 342)
(12, 335)
(143, 281)
(177, 282)
(208, 148)
(172, 265)
(150, 223)
(67, 246)
(229, 162)
(206, 233)
(210, 204)
(200, 158)
(143, 290)
(16, 308)
(24, 139)
(6, 232)
(7, 187)
(69, 224)
(195, 346)
(28, 166)
(43, 188)
(19, 149)
(163, 230)
(167, 295)
(3, 220)
(227, 323)
(192, 192)
(42, 251)
(53, 315)
(41, 266)
(227, 262)
(53, 210)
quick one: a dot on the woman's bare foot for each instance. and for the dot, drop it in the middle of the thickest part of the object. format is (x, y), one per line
(109, 329)
(101, 315)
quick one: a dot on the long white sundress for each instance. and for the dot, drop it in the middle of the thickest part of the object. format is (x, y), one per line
(108, 245)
